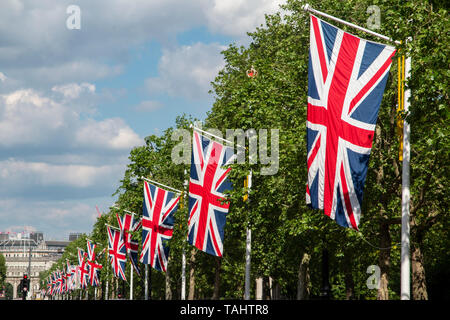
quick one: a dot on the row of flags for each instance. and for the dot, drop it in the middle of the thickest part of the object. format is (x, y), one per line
(347, 76)
(79, 276)
(207, 212)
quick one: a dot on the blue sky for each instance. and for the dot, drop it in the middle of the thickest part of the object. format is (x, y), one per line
(73, 103)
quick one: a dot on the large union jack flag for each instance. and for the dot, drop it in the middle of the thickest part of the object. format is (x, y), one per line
(117, 252)
(346, 80)
(157, 225)
(126, 224)
(208, 182)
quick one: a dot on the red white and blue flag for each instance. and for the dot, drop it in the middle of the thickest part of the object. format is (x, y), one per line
(91, 249)
(126, 224)
(93, 266)
(53, 284)
(49, 286)
(157, 225)
(71, 271)
(117, 252)
(346, 80)
(207, 185)
(82, 268)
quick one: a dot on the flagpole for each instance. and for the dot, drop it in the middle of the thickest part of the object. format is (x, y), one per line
(131, 280)
(146, 282)
(248, 245)
(107, 279)
(183, 275)
(108, 225)
(183, 258)
(405, 238)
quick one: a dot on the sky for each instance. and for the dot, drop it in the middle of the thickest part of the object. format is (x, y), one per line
(78, 92)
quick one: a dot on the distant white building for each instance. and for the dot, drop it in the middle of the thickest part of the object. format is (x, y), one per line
(17, 249)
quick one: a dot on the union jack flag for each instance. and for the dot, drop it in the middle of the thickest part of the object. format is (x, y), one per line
(127, 223)
(91, 249)
(346, 80)
(93, 273)
(157, 225)
(64, 277)
(53, 284)
(71, 276)
(82, 268)
(60, 282)
(117, 252)
(49, 286)
(93, 267)
(207, 184)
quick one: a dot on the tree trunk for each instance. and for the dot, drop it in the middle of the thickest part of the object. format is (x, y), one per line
(384, 261)
(191, 294)
(266, 288)
(259, 289)
(217, 279)
(275, 290)
(303, 289)
(419, 287)
(348, 277)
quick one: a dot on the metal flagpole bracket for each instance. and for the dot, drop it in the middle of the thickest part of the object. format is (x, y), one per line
(130, 212)
(214, 136)
(163, 185)
(108, 225)
(308, 8)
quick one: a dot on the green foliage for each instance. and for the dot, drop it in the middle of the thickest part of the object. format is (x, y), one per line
(2, 269)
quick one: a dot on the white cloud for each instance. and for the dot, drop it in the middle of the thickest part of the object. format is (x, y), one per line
(27, 117)
(188, 70)
(73, 90)
(41, 174)
(109, 133)
(237, 17)
(2, 77)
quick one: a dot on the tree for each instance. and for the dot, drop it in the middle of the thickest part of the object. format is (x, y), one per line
(2, 269)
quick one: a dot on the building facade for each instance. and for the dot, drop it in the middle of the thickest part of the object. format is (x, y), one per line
(30, 256)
